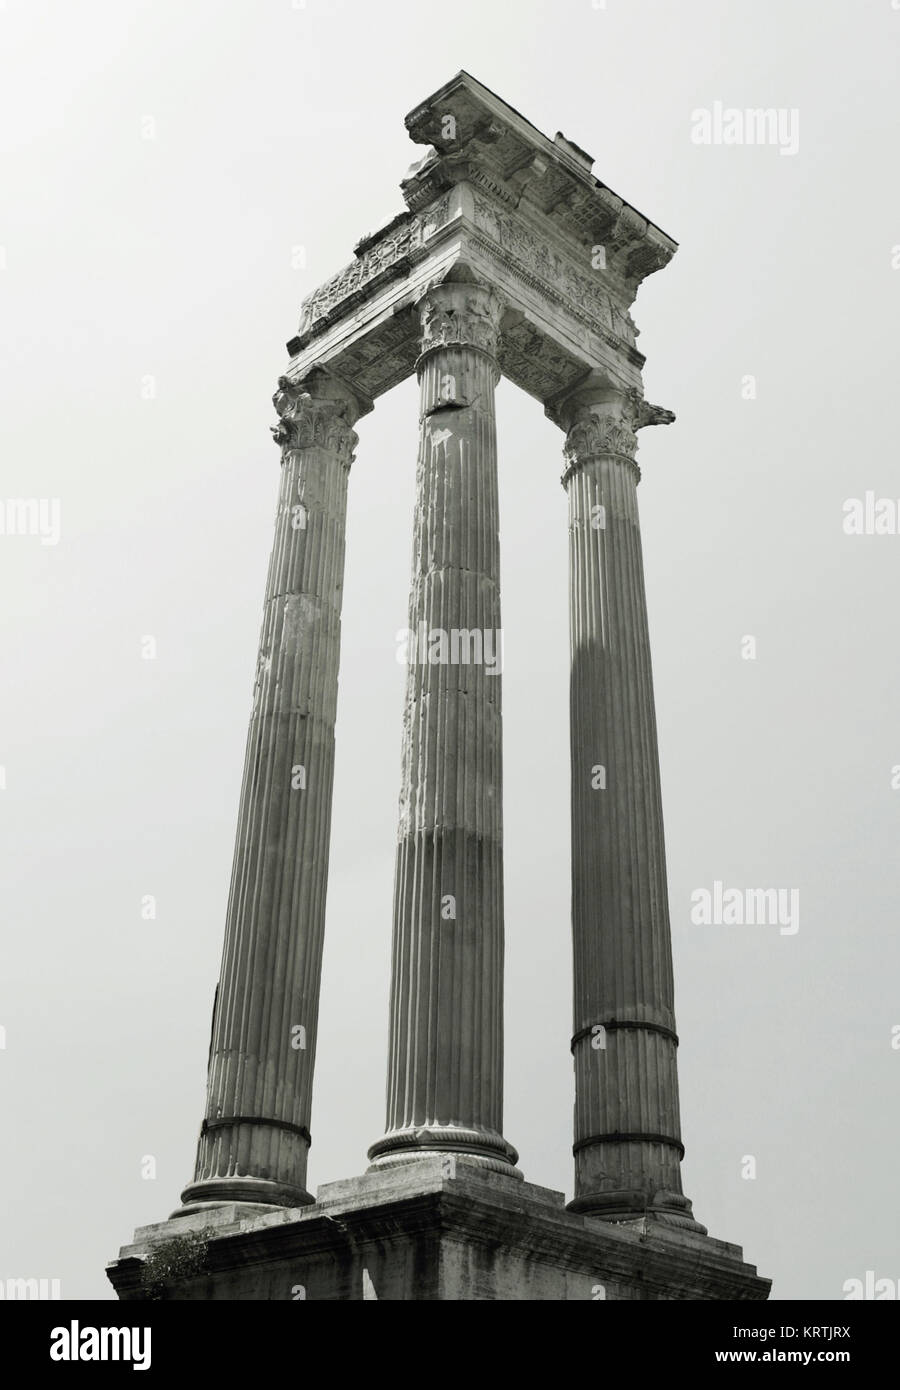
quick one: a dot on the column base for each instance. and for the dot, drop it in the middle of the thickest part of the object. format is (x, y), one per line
(667, 1208)
(482, 1146)
(217, 1192)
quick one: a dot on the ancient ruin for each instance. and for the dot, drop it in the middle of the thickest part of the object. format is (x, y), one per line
(510, 258)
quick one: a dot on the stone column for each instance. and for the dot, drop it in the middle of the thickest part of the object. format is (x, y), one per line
(255, 1137)
(627, 1131)
(445, 1066)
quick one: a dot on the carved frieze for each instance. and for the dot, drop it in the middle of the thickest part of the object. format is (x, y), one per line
(404, 238)
(353, 277)
(555, 269)
(429, 221)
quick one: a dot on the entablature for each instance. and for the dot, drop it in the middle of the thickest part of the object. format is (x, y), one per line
(496, 202)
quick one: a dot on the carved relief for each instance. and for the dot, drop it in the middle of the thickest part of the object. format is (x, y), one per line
(535, 362)
(460, 315)
(379, 361)
(306, 421)
(428, 222)
(383, 254)
(379, 257)
(610, 427)
(629, 228)
(646, 414)
(554, 269)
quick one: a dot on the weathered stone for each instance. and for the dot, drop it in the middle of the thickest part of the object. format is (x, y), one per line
(255, 1136)
(628, 1146)
(495, 200)
(440, 1229)
(445, 1063)
(510, 258)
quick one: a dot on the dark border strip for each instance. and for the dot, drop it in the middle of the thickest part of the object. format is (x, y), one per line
(222, 1120)
(616, 1138)
(613, 1024)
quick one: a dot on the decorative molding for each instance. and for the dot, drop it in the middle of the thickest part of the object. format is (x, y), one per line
(472, 137)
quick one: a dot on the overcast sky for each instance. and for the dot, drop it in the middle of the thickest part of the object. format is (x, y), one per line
(161, 163)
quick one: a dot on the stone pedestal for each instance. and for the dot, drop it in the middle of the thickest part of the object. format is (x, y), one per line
(435, 1229)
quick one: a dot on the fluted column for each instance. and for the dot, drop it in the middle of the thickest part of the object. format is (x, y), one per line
(255, 1137)
(445, 1065)
(627, 1130)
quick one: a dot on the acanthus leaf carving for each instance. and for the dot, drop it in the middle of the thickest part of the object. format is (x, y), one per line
(307, 421)
(592, 434)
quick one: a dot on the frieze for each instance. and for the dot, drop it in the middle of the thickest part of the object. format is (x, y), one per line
(378, 257)
(533, 253)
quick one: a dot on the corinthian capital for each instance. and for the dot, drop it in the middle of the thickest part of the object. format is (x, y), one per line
(317, 412)
(460, 315)
(603, 420)
(597, 430)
